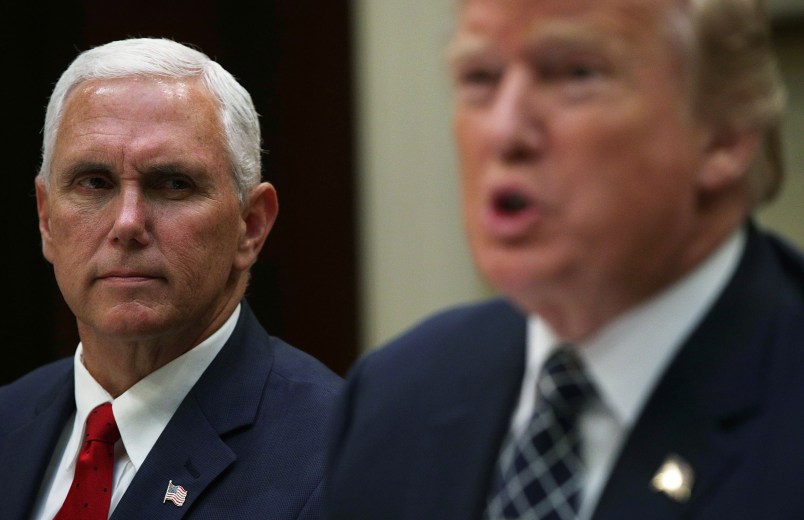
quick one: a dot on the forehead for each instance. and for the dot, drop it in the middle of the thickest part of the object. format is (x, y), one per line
(509, 24)
(141, 122)
(143, 100)
(140, 108)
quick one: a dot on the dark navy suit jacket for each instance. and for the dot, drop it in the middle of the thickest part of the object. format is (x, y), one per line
(419, 427)
(248, 441)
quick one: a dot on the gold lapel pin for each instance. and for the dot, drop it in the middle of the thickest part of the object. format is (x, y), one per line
(674, 478)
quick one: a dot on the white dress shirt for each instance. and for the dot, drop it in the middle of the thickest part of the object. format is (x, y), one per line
(625, 359)
(141, 413)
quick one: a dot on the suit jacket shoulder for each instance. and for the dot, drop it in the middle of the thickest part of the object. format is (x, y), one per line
(248, 441)
(419, 425)
(421, 420)
(33, 411)
(450, 334)
(728, 404)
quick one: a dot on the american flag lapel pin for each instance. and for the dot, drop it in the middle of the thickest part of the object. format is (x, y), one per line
(175, 493)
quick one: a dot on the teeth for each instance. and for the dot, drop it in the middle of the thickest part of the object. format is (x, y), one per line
(512, 203)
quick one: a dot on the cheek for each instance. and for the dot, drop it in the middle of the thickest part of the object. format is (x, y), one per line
(471, 207)
(630, 204)
(471, 139)
(471, 156)
(628, 163)
(74, 236)
(201, 247)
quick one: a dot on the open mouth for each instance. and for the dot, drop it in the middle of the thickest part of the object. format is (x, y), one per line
(511, 213)
(510, 203)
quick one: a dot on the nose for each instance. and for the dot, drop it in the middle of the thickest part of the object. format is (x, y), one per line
(131, 217)
(516, 129)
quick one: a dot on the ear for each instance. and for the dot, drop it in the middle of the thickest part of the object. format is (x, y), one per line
(43, 210)
(727, 157)
(258, 219)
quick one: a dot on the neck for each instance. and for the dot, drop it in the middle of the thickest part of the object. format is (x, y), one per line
(117, 364)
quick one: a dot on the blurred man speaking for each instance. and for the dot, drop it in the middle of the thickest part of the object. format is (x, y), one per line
(649, 343)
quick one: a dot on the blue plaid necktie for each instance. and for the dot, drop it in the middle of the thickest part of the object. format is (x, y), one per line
(538, 475)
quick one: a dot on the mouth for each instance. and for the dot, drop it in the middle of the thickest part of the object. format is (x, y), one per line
(510, 203)
(127, 276)
(511, 213)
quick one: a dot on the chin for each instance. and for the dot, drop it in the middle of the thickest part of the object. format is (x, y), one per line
(521, 275)
(134, 320)
(506, 272)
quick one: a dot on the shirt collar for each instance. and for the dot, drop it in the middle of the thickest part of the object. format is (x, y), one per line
(628, 356)
(144, 410)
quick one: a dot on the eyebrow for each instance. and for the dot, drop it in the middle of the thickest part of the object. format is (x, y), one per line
(173, 168)
(463, 47)
(82, 166)
(158, 168)
(568, 35)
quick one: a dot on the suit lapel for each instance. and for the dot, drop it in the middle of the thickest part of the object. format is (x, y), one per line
(30, 447)
(470, 418)
(192, 450)
(707, 401)
(190, 453)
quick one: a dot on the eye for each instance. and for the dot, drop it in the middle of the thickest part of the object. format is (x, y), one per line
(572, 68)
(173, 187)
(476, 83)
(574, 72)
(479, 77)
(94, 182)
(176, 184)
(581, 72)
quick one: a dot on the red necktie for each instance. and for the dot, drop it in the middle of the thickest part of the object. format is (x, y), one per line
(91, 490)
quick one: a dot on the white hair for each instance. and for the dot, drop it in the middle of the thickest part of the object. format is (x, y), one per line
(161, 57)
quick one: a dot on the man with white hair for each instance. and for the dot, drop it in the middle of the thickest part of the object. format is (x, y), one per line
(177, 403)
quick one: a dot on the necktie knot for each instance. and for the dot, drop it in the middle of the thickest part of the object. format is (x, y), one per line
(101, 425)
(563, 384)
